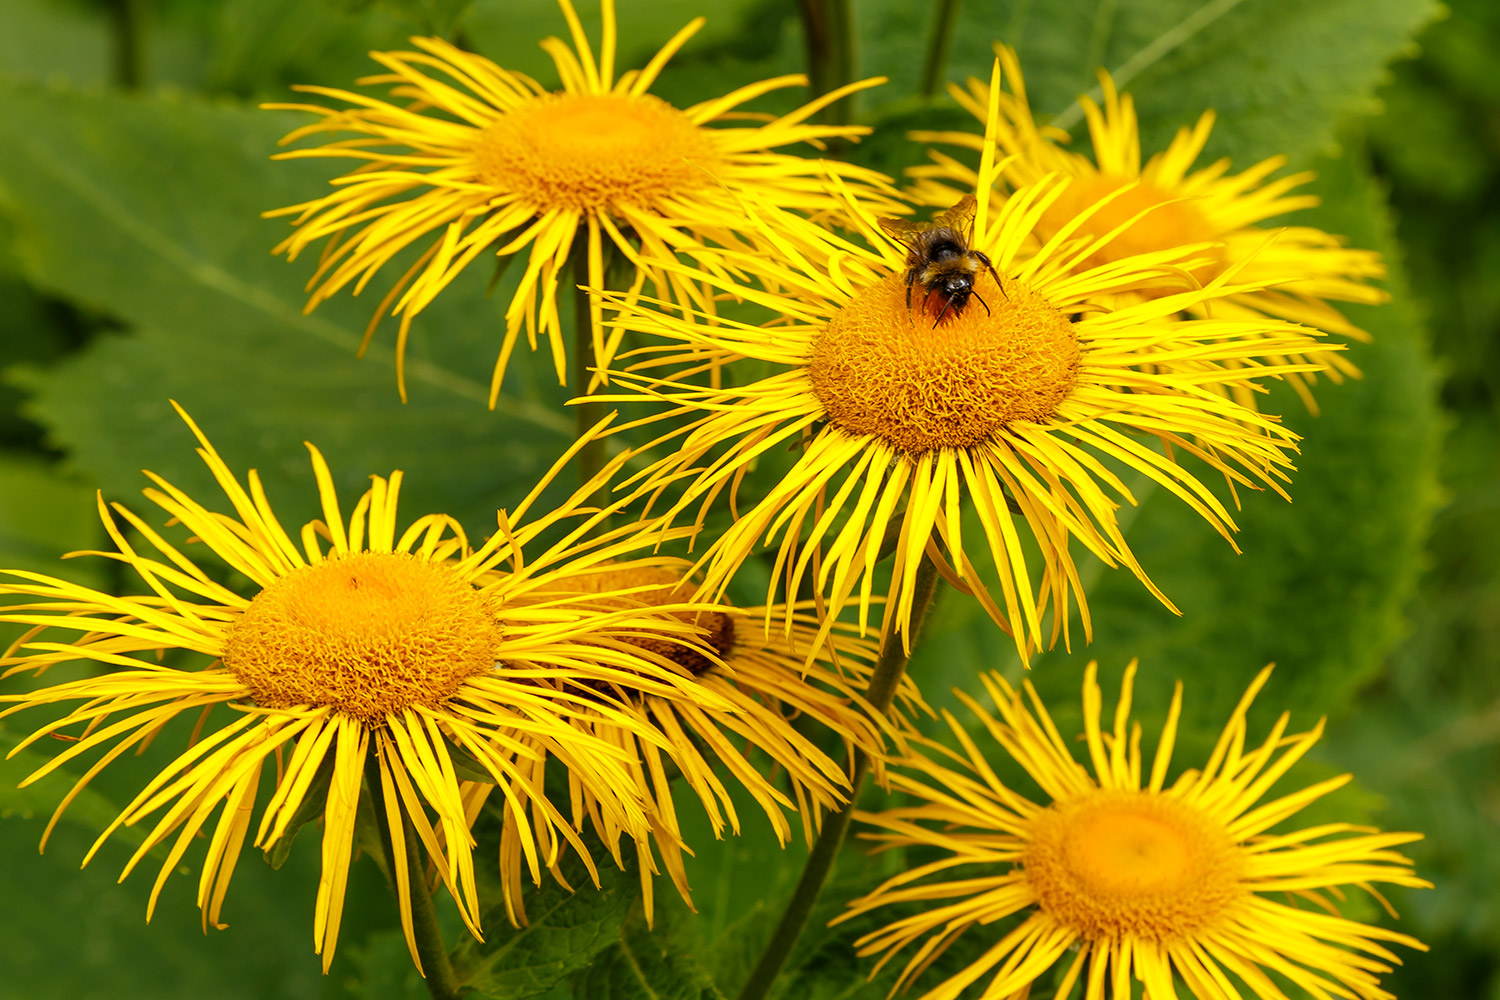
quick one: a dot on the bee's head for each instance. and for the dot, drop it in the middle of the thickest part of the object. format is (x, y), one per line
(957, 283)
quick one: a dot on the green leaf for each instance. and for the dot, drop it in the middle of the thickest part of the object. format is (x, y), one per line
(314, 803)
(42, 515)
(147, 208)
(384, 970)
(510, 31)
(48, 40)
(825, 964)
(1282, 74)
(90, 809)
(643, 965)
(260, 48)
(430, 17)
(564, 931)
(78, 935)
(735, 877)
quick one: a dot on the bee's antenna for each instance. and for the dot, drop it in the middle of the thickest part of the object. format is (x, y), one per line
(944, 311)
(993, 273)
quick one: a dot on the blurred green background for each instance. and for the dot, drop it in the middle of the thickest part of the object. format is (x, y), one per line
(134, 267)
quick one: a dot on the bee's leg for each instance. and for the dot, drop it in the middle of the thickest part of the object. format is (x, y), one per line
(982, 302)
(911, 276)
(944, 311)
(926, 296)
(985, 260)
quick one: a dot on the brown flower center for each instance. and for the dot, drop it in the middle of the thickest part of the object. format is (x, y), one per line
(663, 586)
(369, 634)
(882, 368)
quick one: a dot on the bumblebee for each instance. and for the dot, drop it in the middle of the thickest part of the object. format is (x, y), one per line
(939, 258)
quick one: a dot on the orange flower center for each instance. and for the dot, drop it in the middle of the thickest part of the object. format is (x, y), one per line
(883, 368)
(1170, 223)
(368, 634)
(1111, 864)
(588, 152)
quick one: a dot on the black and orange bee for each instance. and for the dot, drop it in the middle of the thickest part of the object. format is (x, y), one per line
(939, 258)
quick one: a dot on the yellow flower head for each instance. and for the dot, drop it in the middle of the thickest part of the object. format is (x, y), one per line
(910, 411)
(483, 158)
(1296, 275)
(750, 692)
(368, 653)
(1121, 876)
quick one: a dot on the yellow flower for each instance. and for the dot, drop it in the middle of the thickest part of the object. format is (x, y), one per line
(1120, 876)
(1297, 273)
(750, 689)
(484, 158)
(909, 412)
(364, 653)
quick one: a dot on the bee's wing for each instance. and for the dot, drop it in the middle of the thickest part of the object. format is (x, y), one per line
(959, 218)
(903, 231)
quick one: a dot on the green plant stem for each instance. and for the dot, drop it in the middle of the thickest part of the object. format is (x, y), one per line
(884, 681)
(828, 26)
(127, 30)
(441, 981)
(593, 456)
(945, 16)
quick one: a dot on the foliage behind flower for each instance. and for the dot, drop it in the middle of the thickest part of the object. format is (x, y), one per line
(138, 207)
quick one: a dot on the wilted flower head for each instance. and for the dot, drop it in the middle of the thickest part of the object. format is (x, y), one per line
(748, 705)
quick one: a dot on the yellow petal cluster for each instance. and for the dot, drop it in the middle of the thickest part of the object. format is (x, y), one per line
(1116, 875)
(469, 159)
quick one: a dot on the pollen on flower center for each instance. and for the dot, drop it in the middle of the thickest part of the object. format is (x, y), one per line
(1171, 223)
(587, 151)
(367, 634)
(662, 586)
(1117, 863)
(882, 368)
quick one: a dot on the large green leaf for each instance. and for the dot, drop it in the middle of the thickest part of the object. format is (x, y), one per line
(1282, 74)
(43, 515)
(509, 31)
(147, 208)
(48, 40)
(644, 965)
(78, 935)
(90, 809)
(564, 931)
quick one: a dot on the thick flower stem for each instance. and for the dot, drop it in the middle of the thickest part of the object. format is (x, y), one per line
(945, 15)
(884, 681)
(593, 456)
(127, 29)
(829, 29)
(441, 981)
